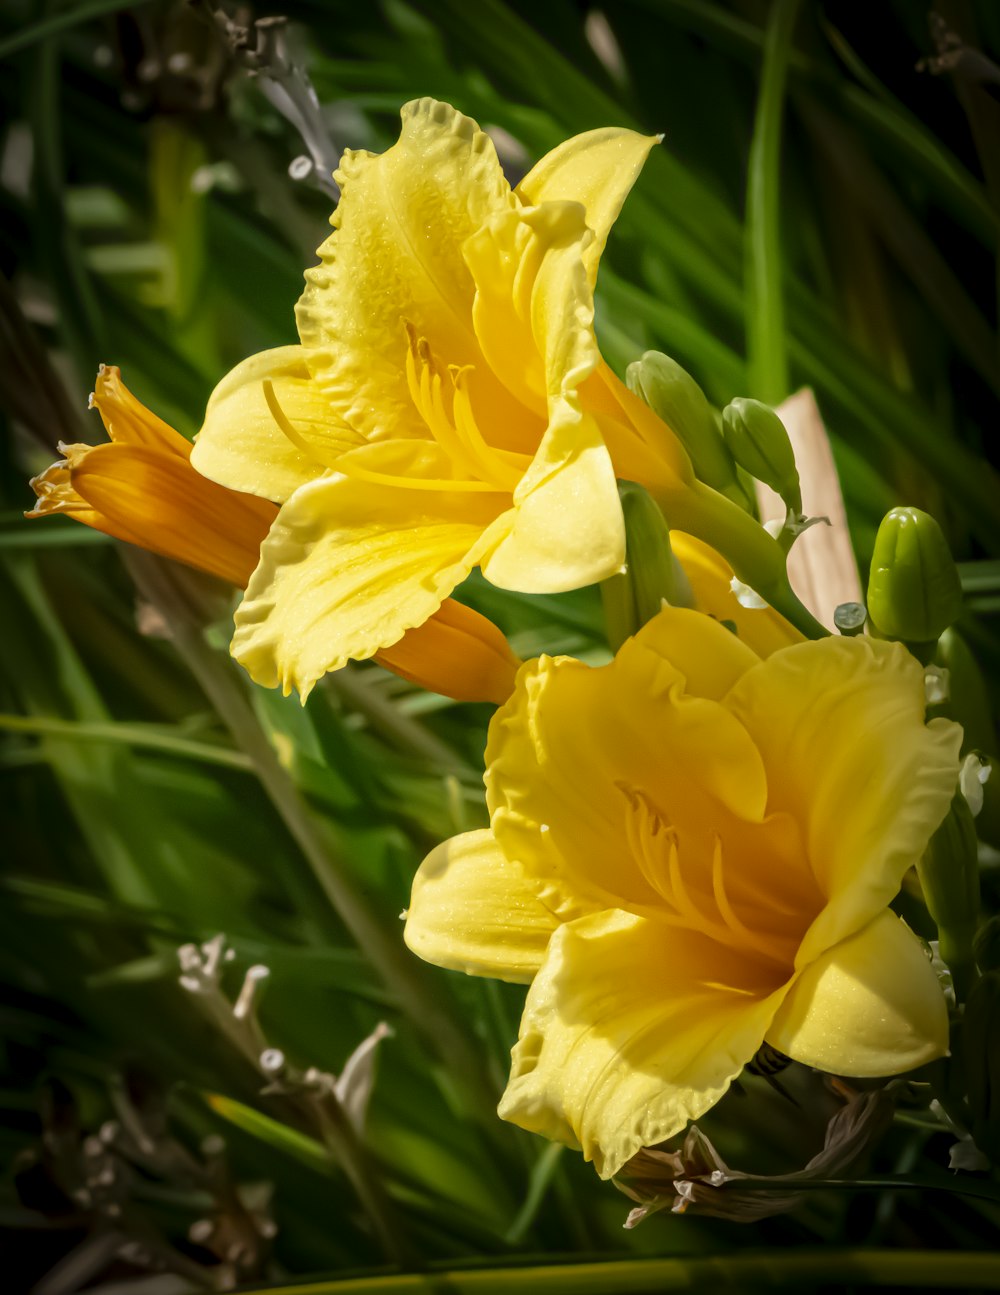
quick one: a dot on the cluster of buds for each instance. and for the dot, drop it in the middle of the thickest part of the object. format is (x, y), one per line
(202, 968)
(332, 1107)
(94, 1181)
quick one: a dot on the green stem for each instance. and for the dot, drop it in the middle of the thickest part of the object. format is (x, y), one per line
(788, 1269)
(765, 307)
(541, 1178)
(350, 1152)
(419, 995)
(132, 735)
(754, 555)
(959, 1184)
(355, 687)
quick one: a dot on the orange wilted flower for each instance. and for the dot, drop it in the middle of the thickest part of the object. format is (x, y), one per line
(140, 487)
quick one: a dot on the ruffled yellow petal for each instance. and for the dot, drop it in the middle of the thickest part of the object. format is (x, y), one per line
(763, 630)
(395, 256)
(707, 654)
(457, 653)
(534, 317)
(572, 746)
(157, 501)
(631, 1029)
(472, 910)
(242, 445)
(840, 726)
(867, 1007)
(347, 568)
(597, 169)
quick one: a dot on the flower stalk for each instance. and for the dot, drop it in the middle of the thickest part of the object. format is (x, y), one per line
(756, 557)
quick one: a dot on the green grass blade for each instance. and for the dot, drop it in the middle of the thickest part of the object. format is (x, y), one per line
(140, 736)
(765, 307)
(57, 23)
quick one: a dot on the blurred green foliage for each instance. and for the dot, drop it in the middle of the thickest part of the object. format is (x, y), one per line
(821, 213)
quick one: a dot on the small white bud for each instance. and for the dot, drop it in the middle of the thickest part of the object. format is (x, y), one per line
(747, 597)
(973, 777)
(244, 1002)
(937, 685)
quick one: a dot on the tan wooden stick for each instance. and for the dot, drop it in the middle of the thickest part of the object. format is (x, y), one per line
(821, 565)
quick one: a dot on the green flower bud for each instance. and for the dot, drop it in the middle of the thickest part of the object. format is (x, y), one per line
(914, 592)
(986, 945)
(758, 442)
(949, 878)
(988, 818)
(980, 1043)
(968, 701)
(652, 574)
(674, 396)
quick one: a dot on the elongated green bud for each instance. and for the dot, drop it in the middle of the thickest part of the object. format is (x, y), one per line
(968, 701)
(988, 818)
(980, 1045)
(914, 592)
(949, 877)
(757, 440)
(652, 574)
(986, 945)
(674, 396)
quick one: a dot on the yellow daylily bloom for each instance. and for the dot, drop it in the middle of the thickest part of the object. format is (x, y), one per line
(692, 851)
(447, 406)
(140, 487)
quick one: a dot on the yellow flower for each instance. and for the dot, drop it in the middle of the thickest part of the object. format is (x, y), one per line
(140, 487)
(691, 852)
(447, 406)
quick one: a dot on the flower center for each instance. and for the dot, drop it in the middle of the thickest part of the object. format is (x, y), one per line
(442, 397)
(704, 888)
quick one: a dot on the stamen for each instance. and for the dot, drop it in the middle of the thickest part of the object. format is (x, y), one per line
(751, 939)
(504, 469)
(426, 393)
(455, 430)
(656, 848)
(300, 443)
(644, 841)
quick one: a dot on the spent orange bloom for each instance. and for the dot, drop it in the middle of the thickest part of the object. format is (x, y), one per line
(140, 487)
